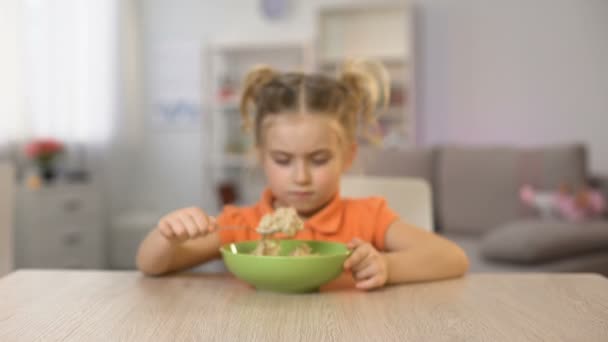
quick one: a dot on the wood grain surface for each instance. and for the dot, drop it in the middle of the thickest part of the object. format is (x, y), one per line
(126, 306)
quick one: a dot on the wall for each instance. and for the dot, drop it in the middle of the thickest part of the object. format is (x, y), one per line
(11, 86)
(164, 179)
(525, 72)
(11, 103)
(516, 71)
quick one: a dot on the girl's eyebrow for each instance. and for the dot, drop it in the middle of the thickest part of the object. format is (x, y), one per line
(316, 152)
(321, 151)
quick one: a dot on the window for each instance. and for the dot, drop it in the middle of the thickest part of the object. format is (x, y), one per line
(69, 79)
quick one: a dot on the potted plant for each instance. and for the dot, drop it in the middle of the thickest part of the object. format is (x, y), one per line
(44, 153)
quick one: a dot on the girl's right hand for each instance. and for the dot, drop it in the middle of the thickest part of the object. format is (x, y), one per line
(185, 224)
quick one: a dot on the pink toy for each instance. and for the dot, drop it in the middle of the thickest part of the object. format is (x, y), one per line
(581, 205)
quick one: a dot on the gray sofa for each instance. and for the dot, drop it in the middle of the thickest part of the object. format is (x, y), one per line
(476, 203)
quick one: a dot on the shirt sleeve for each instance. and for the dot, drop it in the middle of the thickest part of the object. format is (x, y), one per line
(230, 216)
(384, 217)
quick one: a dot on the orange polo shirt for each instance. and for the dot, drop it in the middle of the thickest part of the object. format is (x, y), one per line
(341, 220)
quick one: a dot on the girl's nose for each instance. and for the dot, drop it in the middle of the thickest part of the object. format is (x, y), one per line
(301, 172)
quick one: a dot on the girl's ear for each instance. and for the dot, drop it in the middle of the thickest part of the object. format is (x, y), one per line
(351, 154)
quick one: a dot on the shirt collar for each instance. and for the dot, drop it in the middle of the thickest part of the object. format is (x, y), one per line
(325, 221)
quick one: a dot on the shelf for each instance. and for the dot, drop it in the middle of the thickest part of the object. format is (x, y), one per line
(238, 161)
(247, 46)
(229, 61)
(229, 106)
(375, 31)
(387, 60)
(378, 32)
(394, 115)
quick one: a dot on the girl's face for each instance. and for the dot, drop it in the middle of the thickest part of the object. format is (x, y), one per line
(303, 160)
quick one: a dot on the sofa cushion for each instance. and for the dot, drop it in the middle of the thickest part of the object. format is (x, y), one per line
(477, 187)
(536, 241)
(596, 261)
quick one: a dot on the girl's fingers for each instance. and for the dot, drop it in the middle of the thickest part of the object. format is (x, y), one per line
(178, 228)
(200, 219)
(358, 255)
(369, 283)
(356, 242)
(190, 225)
(212, 224)
(185, 224)
(363, 264)
(368, 272)
(165, 230)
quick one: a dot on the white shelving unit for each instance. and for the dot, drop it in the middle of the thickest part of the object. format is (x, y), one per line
(381, 32)
(231, 160)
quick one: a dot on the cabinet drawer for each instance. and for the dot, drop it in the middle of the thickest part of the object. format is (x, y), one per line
(64, 248)
(67, 201)
(60, 226)
(66, 205)
(36, 227)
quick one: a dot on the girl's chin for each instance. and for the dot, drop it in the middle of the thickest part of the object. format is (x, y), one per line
(303, 208)
(307, 210)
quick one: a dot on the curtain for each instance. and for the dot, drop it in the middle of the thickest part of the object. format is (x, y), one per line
(69, 72)
(68, 76)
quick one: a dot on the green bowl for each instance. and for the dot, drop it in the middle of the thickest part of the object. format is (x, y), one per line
(284, 273)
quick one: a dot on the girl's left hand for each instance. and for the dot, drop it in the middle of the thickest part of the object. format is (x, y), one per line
(369, 267)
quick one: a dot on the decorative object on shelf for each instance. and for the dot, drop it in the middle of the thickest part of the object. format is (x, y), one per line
(44, 153)
(227, 193)
(398, 95)
(274, 9)
(227, 90)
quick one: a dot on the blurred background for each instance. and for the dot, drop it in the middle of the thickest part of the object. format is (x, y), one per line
(113, 113)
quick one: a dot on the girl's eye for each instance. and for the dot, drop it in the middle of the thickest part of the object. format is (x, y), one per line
(320, 160)
(282, 161)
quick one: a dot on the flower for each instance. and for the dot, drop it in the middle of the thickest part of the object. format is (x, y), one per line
(43, 150)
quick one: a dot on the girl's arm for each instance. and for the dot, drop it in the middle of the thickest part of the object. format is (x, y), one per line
(158, 255)
(414, 255)
(182, 239)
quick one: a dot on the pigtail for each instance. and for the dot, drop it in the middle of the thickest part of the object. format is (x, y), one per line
(255, 80)
(367, 83)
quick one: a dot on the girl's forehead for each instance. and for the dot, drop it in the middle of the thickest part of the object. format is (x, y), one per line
(300, 132)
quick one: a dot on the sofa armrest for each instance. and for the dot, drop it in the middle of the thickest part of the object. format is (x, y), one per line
(599, 182)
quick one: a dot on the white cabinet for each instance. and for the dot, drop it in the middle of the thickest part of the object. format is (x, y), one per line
(231, 161)
(7, 185)
(60, 226)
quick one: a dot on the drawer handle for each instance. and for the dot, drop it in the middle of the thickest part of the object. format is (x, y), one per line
(71, 238)
(72, 205)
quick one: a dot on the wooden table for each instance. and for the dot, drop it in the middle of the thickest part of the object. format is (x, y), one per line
(122, 306)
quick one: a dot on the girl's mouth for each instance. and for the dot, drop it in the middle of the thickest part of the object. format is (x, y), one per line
(300, 194)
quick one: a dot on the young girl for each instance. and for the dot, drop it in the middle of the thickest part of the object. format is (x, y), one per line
(305, 129)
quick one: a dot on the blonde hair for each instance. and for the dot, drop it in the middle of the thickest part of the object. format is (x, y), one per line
(351, 98)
